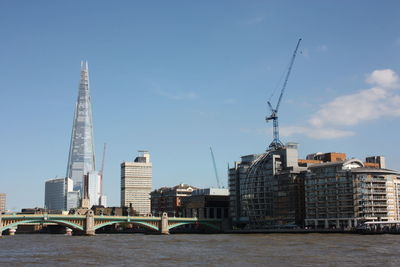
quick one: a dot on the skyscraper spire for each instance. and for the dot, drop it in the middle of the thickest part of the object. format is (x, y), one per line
(81, 158)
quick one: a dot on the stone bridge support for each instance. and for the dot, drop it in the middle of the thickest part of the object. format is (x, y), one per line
(164, 229)
(89, 224)
(1, 224)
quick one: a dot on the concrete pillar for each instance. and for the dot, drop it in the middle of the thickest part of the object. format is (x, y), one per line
(355, 223)
(89, 224)
(68, 231)
(316, 224)
(326, 224)
(164, 224)
(337, 224)
(12, 231)
(1, 224)
(349, 224)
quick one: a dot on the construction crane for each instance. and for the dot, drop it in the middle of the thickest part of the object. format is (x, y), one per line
(276, 143)
(215, 168)
(102, 169)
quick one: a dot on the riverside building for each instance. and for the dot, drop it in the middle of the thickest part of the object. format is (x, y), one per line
(346, 193)
(208, 203)
(136, 183)
(277, 189)
(169, 199)
(267, 190)
(3, 197)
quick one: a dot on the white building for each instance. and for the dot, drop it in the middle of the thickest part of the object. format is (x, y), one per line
(136, 183)
(93, 189)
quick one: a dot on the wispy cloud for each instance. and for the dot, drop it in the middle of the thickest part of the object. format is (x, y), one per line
(314, 132)
(381, 100)
(322, 48)
(230, 101)
(254, 20)
(188, 95)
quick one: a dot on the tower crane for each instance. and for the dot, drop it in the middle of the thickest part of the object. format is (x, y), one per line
(102, 169)
(215, 168)
(276, 143)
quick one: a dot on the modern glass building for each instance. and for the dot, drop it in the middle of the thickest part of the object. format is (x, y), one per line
(81, 158)
(56, 191)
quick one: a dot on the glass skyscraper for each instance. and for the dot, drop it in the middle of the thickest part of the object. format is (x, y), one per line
(81, 158)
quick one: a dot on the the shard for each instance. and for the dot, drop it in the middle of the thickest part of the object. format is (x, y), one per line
(81, 159)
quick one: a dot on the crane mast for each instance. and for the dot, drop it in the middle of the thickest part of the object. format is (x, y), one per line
(102, 169)
(215, 168)
(276, 142)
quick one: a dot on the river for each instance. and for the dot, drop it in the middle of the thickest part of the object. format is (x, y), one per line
(200, 250)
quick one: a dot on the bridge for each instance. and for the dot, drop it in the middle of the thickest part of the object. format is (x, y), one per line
(89, 223)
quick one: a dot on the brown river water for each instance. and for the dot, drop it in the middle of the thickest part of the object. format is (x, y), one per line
(200, 250)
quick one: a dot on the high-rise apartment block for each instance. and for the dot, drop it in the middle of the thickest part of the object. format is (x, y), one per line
(3, 197)
(346, 193)
(136, 183)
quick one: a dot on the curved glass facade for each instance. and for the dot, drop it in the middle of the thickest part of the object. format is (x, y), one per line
(271, 194)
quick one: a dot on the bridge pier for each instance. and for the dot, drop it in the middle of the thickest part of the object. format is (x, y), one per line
(1, 225)
(89, 224)
(12, 231)
(164, 224)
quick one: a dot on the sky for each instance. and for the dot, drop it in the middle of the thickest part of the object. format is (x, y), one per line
(176, 77)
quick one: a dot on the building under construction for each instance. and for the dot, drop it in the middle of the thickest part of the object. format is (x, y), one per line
(277, 189)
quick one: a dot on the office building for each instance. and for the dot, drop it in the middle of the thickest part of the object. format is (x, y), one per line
(136, 183)
(3, 197)
(271, 189)
(209, 203)
(81, 158)
(73, 200)
(236, 177)
(169, 199)
(56, 193)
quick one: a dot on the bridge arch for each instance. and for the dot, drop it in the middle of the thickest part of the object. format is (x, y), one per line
(213, 226)
(59, 222)
(144, 224)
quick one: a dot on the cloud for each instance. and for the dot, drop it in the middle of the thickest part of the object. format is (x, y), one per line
(313, 132)
(382, 100)
(384, 78)
(230, 101)
(254, 21)
(178, 96)
(322, 48)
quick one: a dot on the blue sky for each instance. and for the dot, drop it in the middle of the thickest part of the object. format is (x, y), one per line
(175, 77)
